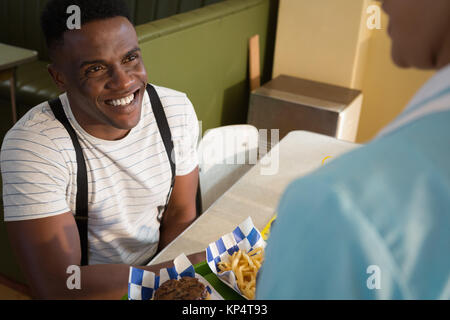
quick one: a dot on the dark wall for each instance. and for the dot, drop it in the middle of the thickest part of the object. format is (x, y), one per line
(19, 19)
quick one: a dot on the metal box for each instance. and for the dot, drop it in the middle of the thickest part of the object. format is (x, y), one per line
(288, 103)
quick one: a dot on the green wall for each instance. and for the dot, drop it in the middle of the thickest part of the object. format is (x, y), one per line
(20, 19)
(209, 60)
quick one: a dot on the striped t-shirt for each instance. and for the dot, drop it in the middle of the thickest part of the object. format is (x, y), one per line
(127, 179)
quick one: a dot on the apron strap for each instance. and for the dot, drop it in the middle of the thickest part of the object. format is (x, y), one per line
(166, 136)
(81, 211)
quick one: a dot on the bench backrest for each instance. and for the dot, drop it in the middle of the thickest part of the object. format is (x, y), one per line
(20, 26)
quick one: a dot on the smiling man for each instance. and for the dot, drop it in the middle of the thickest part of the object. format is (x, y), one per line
(129, 173)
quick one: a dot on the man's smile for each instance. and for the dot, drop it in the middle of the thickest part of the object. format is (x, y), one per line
(124, 103)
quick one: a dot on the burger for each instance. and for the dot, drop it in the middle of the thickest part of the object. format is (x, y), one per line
(186, 288)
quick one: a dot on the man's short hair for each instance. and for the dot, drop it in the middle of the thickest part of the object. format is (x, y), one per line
(54, 17)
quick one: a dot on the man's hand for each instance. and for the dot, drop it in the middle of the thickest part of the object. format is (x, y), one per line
(46, 247)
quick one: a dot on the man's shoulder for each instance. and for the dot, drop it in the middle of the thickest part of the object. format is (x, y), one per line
(38, 125)
(167, 93)
(177, 107)
(174, 101)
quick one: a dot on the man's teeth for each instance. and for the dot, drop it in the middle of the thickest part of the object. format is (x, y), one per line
(121, 102)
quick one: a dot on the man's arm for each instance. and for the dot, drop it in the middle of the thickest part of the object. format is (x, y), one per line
(181, 211)
(46, 247)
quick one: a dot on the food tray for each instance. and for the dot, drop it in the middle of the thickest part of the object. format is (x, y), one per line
(225, 291)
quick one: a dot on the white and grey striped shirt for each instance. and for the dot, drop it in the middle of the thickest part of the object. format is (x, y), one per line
(127, 179)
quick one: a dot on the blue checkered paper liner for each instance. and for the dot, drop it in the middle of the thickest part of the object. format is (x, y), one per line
(245, 237)
(142, 284)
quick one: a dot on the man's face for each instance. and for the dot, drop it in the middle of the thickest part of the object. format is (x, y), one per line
(102, 71)
(418, 29)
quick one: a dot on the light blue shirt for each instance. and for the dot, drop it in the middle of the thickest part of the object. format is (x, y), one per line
(374, 223)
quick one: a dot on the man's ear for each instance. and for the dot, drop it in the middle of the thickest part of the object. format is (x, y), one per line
(57, 77)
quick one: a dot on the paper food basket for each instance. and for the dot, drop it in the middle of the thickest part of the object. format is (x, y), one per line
(244, 237)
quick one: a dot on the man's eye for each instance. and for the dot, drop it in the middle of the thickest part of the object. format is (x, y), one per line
(131, 58)
(94, 69)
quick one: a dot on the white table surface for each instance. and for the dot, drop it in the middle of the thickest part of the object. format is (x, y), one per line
(256, 194)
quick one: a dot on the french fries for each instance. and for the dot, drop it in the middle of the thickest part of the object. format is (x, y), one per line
(245, 266)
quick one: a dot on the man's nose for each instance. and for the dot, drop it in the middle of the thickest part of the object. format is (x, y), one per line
(120, 79)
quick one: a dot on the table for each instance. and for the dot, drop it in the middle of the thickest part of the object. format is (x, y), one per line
(256, 194)
(10, 58)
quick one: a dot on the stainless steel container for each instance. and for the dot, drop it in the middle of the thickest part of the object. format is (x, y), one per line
(288, 103)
